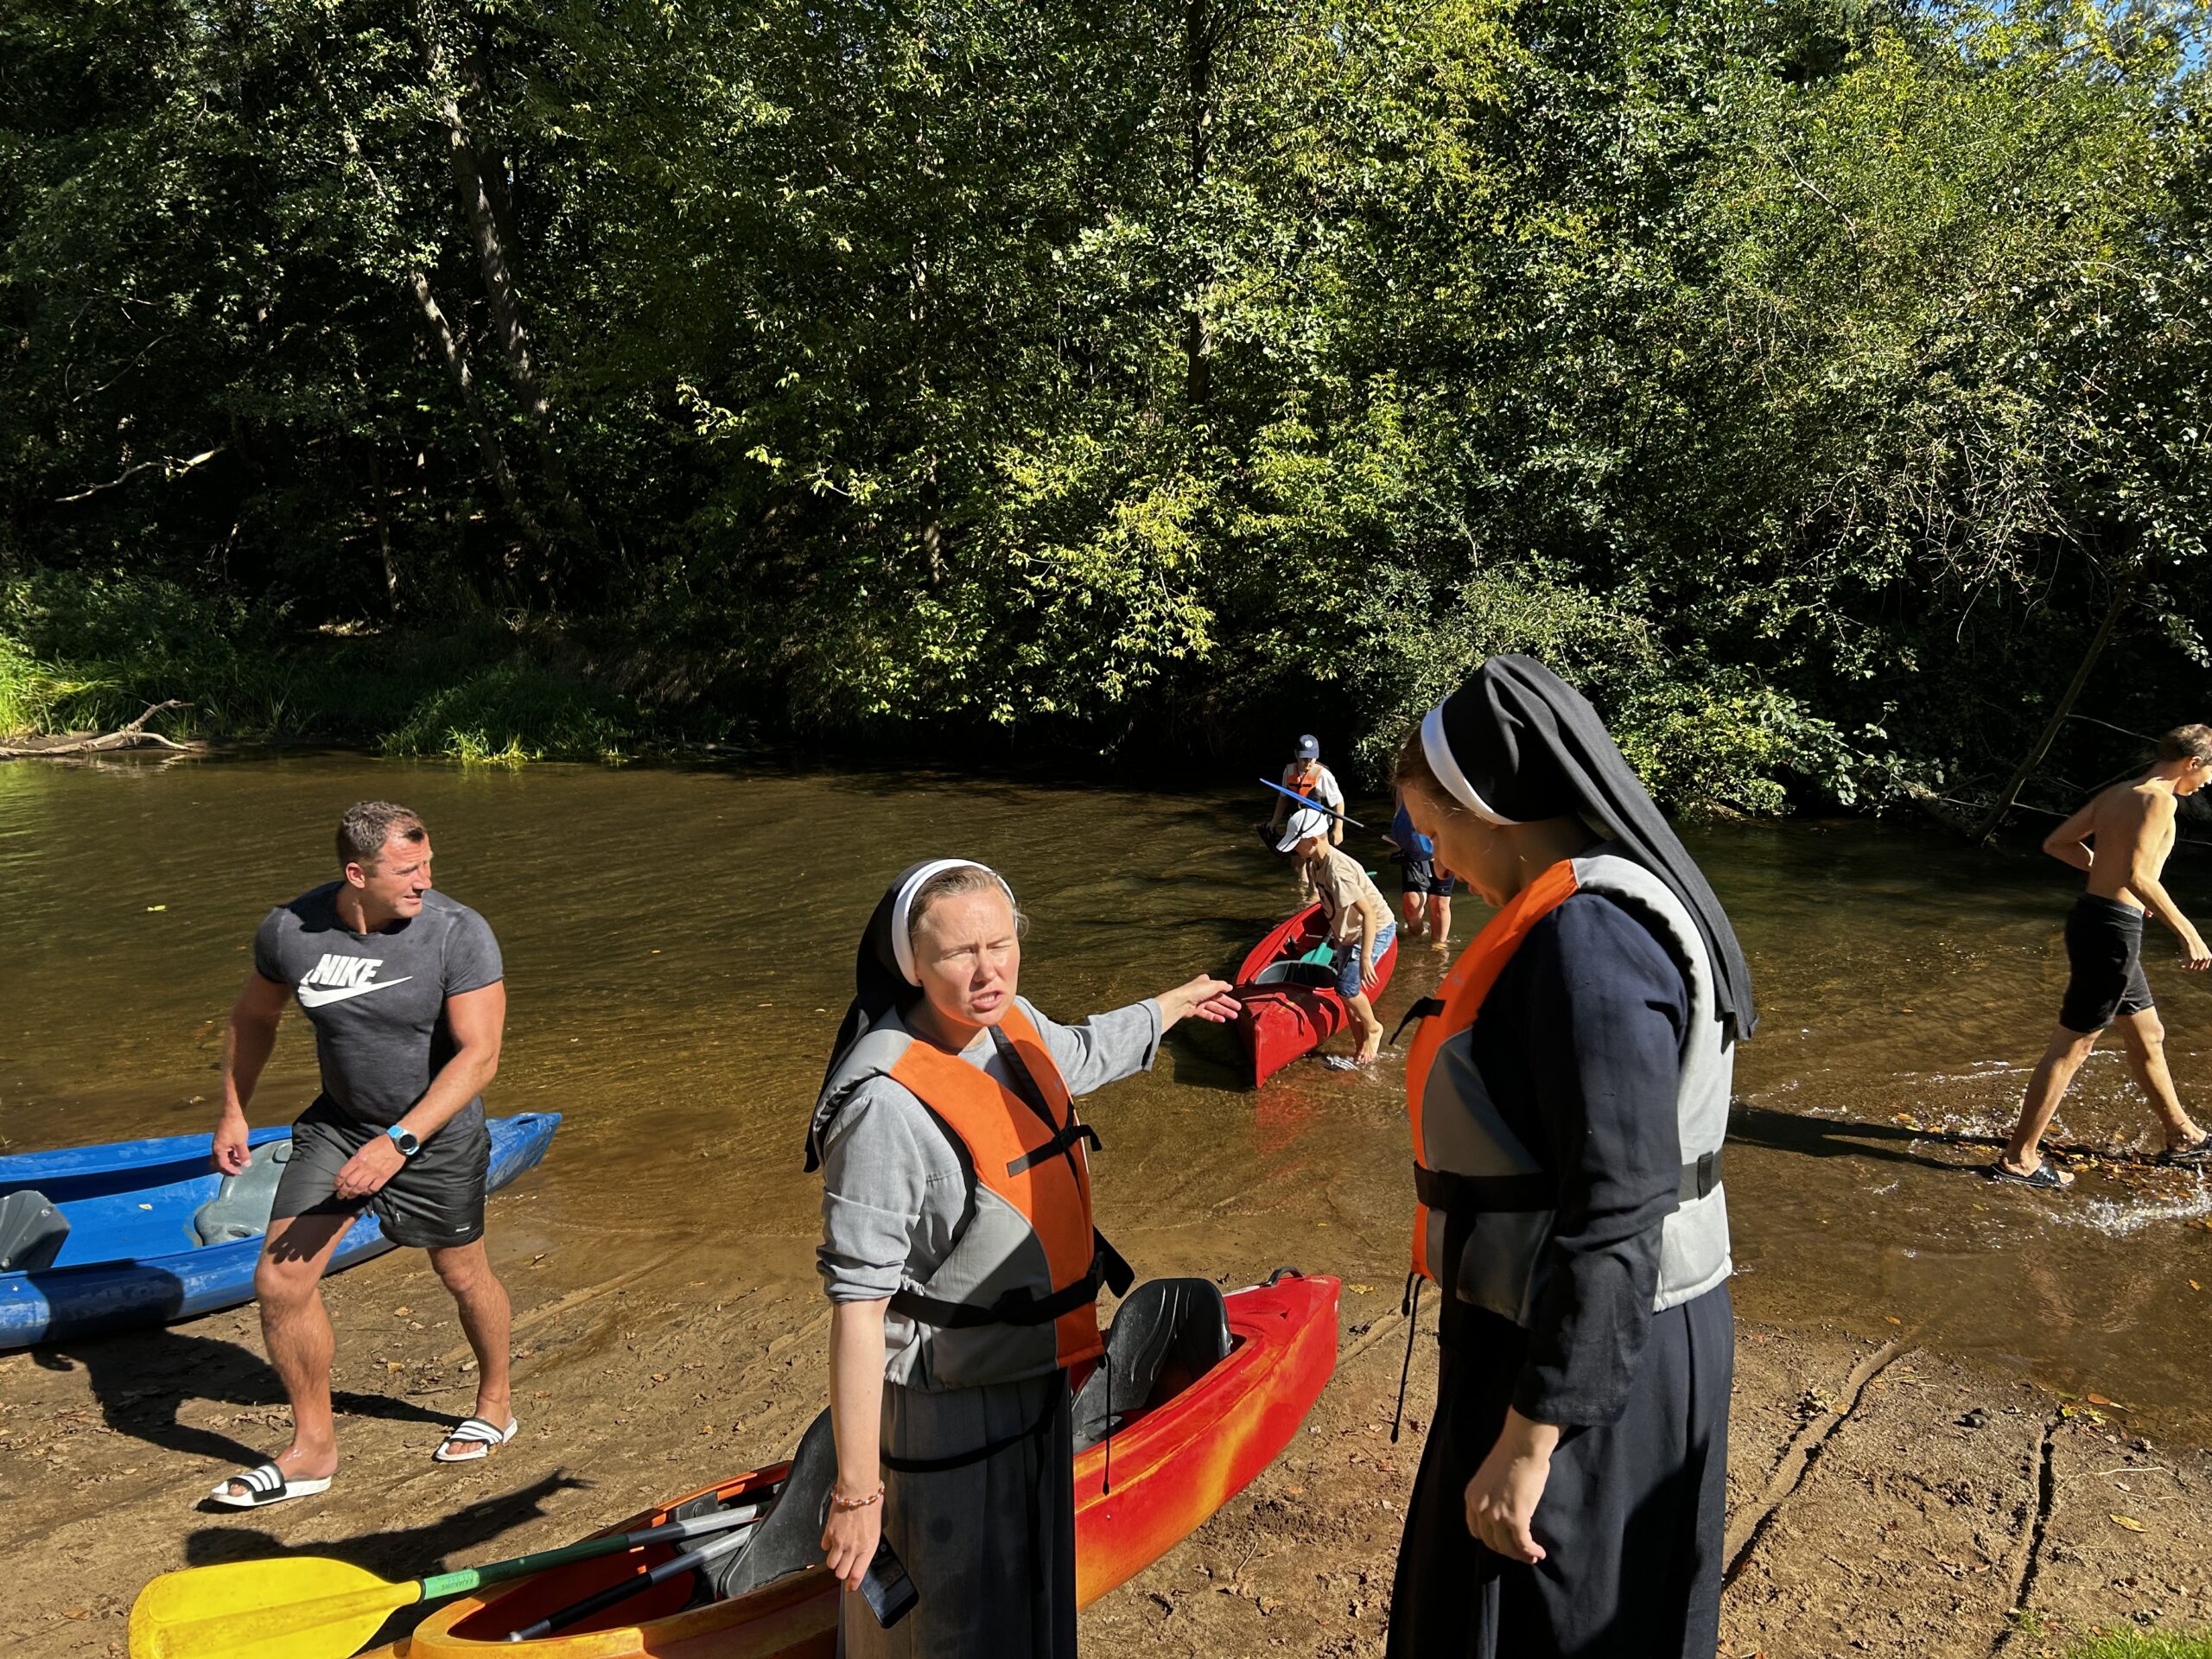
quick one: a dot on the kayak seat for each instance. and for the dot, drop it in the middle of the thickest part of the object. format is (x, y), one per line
(789, 1537)
(241, 1205)
(32, 1231)
(1313, 974)
(1166, 1334)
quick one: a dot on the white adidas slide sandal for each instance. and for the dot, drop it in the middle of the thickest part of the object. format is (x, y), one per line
(263, 1486)
(474, 1431)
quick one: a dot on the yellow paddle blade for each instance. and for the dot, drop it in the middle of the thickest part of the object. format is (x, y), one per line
(293, 1607)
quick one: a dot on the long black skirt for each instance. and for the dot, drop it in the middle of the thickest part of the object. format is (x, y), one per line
(1631, 1519)
(989, 1546)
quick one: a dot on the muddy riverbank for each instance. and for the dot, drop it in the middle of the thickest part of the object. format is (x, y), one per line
(1884, 1498)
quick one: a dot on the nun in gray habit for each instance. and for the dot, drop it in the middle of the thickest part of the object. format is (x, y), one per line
(1569, 1097)
(959, 1257)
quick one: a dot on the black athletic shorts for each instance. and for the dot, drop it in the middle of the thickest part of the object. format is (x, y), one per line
(1422, 877)
(2103, 946)
(437, 1200)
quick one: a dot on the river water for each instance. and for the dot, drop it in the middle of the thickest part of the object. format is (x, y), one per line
(679, 945)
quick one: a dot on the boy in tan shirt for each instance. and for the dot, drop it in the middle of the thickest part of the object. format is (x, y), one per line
(1360, 924)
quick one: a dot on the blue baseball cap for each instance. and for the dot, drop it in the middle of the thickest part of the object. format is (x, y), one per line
(1309, 747)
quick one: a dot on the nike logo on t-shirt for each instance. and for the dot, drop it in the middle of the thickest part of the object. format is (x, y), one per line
(312, 998)
(337, 977)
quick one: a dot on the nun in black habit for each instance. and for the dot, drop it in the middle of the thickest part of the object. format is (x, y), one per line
(1569, 1095)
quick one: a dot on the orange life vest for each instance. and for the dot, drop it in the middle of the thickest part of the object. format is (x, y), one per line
(1460, 998)
(1031, 1155)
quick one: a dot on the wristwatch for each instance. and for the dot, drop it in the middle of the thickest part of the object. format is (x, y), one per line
(405, 1140)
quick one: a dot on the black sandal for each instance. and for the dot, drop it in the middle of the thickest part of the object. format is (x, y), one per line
(2043, 1175)
(2191, 1157)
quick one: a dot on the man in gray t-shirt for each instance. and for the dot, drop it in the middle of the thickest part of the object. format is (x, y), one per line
(403, 988)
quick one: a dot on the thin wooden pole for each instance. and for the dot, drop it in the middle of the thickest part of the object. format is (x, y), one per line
(2123, 591)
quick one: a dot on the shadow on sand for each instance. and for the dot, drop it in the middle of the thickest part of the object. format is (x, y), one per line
(141, 1377)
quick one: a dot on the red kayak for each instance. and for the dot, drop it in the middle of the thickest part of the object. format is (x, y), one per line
(1224, 1381)
(1291, 1006)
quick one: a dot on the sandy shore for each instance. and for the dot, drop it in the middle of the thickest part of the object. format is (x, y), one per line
(1884, 1498)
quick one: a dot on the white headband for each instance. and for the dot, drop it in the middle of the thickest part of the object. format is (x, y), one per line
(902, 945)
(1446, 768)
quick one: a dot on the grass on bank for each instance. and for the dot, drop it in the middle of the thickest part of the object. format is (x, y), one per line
(81, 653)
(2143, 1644)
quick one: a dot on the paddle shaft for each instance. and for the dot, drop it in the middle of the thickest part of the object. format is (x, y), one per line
(454, 1584)
(1303, 800)
(600, 1600)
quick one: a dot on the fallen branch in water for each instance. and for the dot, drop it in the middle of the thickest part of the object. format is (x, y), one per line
(123, 737)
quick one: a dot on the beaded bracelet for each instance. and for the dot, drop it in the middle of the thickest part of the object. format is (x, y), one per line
(849, 1504)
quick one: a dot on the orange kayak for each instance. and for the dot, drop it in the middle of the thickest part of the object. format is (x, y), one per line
(1195, 1444)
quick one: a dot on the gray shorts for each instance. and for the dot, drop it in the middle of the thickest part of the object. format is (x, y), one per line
(435, 1201)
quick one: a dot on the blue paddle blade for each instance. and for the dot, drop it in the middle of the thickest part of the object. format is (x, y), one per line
(1316, 805)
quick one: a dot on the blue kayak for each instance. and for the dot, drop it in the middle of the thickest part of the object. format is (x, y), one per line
(143, 1232)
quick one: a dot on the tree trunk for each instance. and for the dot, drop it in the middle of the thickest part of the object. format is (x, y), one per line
(381, 511)
(432, 321)
(433, 325)
(1203, 29)
(475, 195)
(2122, 592)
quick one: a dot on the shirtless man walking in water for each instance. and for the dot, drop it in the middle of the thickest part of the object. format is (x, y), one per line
(2121, 838)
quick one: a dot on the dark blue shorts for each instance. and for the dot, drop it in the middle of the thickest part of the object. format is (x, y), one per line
(2104, 948)
(1422, 877)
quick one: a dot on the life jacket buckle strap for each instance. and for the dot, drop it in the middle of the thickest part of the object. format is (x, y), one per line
(1452, 1193)
(1421, 1010)
(1699, 1179)
(1019, 1307)
(1057, 1145)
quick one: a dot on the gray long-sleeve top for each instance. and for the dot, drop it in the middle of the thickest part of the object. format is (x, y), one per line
(895, 1187)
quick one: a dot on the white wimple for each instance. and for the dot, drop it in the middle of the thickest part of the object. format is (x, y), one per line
(1446, 768)
(902, 945)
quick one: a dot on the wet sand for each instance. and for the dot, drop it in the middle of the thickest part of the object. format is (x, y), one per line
(1883, 1499)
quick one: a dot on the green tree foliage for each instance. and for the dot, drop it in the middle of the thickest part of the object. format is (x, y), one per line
(1817, 382)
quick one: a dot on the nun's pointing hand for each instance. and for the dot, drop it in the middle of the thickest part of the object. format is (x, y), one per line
(1210, 999)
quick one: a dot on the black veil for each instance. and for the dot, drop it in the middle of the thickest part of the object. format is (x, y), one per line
(1526, 746)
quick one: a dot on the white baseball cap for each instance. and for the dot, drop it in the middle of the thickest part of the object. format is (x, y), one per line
(1305, 823)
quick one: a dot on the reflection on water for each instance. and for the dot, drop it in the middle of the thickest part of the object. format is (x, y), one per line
(679, 944)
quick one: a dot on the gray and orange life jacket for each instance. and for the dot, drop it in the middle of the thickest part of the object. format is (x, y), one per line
(1017, 1293)
(1485, 1204)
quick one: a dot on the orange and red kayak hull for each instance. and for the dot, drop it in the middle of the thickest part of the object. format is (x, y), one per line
(1173, 1468)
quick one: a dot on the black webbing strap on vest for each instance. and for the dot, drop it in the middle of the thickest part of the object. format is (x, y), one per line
(1057, 1145)
(1054, 1406)
(1020, 1305)
(1441, 1189)
(1420, 1010)
(1699, 1179)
